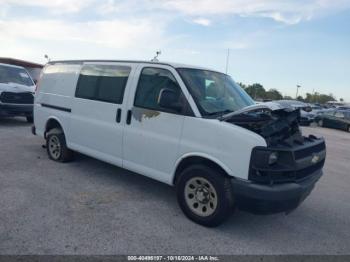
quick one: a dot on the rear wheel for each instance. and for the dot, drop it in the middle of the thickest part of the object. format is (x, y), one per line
(205, 195)
(56, 146)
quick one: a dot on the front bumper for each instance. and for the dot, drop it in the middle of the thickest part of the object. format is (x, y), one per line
(268, 199)
(7, 109)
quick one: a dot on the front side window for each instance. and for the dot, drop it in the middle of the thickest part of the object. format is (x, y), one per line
(151, 83)
(9, 74)
(103, 82)
(214, 93)
(329, 113)
(339, 115)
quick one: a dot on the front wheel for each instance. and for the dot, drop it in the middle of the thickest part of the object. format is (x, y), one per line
(205, 195)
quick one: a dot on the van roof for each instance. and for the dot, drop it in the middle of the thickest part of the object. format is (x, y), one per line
(174, 65)
(14, 66)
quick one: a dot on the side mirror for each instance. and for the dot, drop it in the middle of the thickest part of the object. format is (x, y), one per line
(35, 81)
(169, 99)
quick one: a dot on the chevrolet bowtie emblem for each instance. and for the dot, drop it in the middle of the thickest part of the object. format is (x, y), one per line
(315, 158)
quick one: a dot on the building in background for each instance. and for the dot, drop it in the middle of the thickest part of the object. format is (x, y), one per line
(33, 69)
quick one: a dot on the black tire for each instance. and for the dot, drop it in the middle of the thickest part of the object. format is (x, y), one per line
(348, 129)
(224, 200)
(30, 119)
(62, 152)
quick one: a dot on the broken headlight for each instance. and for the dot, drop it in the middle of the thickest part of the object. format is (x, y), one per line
(267, 163)
(273, 157)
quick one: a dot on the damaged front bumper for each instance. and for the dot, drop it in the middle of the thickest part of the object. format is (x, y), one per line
(270, 199)
(282, 184)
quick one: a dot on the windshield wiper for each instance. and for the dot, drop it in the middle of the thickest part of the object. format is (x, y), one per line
(219, 113)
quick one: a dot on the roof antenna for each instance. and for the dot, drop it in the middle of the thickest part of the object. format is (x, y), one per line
(48, 58)
(155, 58)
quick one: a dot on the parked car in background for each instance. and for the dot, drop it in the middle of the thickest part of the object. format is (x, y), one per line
(189, 127)
(16, 92)
(343, 107)
(339, 119)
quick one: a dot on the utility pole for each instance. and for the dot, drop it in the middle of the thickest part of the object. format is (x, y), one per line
(296, 96)
(227, 59)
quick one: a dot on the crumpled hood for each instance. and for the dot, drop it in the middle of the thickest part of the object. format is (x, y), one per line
(278, 124)
(16, 88)
(271, 106)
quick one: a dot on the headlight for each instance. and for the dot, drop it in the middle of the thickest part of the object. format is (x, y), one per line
(273, 158)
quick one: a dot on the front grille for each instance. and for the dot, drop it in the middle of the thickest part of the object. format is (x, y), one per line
(299, 154)
(17, 98)
(303, 173)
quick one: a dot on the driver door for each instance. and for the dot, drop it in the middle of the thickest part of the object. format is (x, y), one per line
(152, 134)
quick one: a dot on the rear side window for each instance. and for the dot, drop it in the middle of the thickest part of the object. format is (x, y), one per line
(103, 82)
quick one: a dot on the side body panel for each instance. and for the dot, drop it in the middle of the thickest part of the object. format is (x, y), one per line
(56, 89)
(228, 145)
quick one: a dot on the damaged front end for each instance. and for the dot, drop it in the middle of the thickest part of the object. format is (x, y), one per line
(289, 156)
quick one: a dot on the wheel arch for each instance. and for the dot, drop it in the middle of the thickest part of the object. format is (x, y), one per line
(53, 122)
(198, 158)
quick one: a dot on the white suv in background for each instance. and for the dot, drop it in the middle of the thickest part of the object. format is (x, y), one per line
(182, 125)
(16, 92)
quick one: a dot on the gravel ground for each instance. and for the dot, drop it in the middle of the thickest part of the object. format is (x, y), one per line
(90, 207)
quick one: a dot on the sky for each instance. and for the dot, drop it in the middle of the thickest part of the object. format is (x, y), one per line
(279, 44)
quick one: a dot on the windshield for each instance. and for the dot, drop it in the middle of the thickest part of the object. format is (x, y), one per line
(14, 75)
(214, 93)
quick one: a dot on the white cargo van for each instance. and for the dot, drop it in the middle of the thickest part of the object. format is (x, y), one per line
(186, 126)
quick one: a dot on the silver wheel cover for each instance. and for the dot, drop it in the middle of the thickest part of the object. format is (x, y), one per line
(201, 196)
(54, 147)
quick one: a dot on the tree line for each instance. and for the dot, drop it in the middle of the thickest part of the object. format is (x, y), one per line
(258, 92)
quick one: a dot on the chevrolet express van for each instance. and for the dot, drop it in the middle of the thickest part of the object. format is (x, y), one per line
(186, 126)
(16, 92)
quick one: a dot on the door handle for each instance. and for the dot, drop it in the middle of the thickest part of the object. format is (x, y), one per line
(118, 116)
(128, 117)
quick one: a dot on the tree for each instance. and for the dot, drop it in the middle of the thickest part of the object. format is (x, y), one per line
(242, 85)
(273, 94)
(300, 98)
(341, 100)
(256, 91)
(318, 98)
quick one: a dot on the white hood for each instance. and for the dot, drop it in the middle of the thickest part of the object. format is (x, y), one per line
(16, 88)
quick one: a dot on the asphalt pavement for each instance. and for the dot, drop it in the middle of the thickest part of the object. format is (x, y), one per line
(90, 207)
